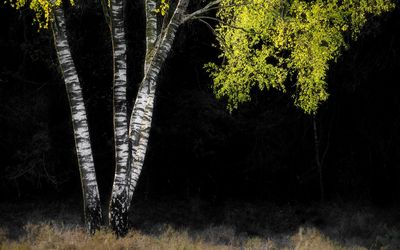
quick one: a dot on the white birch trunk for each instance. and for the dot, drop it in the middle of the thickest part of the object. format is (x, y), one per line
(91, 197)
(141, 116)
(118, 202)
(151, 30)
(118, 210)
(157, 49)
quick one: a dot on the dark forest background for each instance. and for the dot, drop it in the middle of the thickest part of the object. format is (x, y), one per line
(264, 151)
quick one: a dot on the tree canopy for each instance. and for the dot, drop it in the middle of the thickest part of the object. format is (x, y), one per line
(286, 45)
(41, 8)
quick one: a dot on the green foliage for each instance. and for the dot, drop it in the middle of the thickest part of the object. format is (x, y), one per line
(41, 8)
(270, 44)
(163, 7)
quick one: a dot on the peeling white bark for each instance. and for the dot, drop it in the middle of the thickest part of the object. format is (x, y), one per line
(151, 30)
(119, 107)
(130, 145)
(151, 25)
(141, 116)
(118, 201)
(129, 164)
(90, 190)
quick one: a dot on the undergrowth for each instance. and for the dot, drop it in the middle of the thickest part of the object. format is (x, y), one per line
(195, 225)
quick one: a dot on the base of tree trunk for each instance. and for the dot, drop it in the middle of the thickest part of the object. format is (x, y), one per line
(119, 216)
(93, 218)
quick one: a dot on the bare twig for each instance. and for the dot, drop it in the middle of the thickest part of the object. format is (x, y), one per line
(208, 25)
(220, 21)
(202, 10)
(211, 6)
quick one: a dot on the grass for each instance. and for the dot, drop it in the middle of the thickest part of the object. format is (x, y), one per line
(198, 225)
(45, 236)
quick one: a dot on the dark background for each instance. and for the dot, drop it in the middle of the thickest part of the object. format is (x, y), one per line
(264, 151)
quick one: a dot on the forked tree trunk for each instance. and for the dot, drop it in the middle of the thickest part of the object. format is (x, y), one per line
(91, 197)
(158, 46)
(141, 116)
(157, 50)
(151, 38)
(118, 202)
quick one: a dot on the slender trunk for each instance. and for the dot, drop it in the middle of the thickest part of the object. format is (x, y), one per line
(318, 159)
(91, 197)
(118, 203)
(151, 30)
(142, 96)
(141, 116)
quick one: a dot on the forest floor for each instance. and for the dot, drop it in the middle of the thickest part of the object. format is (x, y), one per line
(196, 224)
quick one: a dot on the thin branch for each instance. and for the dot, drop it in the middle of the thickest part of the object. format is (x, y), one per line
(106, 12)
(209, 7)
(202, 10)
(20, 79)
(326, 148)
(165, 21)
(224, 23)
(328, 139)
(317, 158)
(208, 25)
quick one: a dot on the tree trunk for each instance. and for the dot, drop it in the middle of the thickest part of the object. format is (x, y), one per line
(318, 159)
(118, 203)
(141, 116)
(91, 197)
(151, 30)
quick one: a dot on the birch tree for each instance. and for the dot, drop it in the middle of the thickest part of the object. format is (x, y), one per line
(50, 13)
(91, 196)
(131, 131)
(159, 41)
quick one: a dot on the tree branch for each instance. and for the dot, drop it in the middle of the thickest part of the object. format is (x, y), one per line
(203, 10)
(107, 12)
(208, 25)
(220, 21)
(209, 7)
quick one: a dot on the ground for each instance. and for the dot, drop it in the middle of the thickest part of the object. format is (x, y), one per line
(196, 224)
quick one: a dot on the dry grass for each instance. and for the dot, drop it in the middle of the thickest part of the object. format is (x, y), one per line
(45, 236)
(48, 237)
(234, 226)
